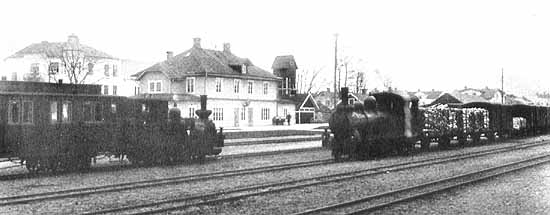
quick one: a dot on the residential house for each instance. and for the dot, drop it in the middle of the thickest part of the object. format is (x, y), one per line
(491, 95)
(49, 62)
(426, 97)
(239, 93)
(457, 97)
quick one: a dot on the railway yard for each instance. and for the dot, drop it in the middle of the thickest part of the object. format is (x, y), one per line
(302, 178)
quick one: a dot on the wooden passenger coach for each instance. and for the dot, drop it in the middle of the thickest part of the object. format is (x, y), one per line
(63, 126)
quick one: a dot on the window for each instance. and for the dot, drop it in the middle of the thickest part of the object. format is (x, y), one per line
(90, 68)
(155, 86)
(54, 68)
(113, 108)
(35, 68)
(218, 85)
(14, 76)
(265, 114)
(218, 114)
(191, 112)
(106, 70)
(66, 110)
(250, 87)
(115, 88)
(266, 85)
(53, 111)
(105, 90)
(92, 112)
(27, 112)
(14, 112)
(190, 82)
(144, 108)
(236, 85)
(4, 78)
(243, 69)
(243, 113)
(137, 90)
(115, 71)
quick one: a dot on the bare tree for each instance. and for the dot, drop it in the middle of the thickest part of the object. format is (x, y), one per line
(76, 63)
(308, 79)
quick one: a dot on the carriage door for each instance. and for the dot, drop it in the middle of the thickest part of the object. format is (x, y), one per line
(250, 117)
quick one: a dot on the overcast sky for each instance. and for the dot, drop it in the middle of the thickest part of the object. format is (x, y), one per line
(423, 45)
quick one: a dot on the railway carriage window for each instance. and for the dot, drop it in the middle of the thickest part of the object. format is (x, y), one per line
(144, 108)
(14, 110)
(66, 111)
(53, 111)
(27, 112)
(113, 108)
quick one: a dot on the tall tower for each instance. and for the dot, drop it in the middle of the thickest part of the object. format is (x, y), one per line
(285, 68)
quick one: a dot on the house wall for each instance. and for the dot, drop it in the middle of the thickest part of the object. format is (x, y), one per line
(22, 66)
(230, 102)
(232, 110)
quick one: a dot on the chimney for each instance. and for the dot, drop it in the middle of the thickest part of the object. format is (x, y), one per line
(227, 47)
(169, 55)
(197, 42)
(73, 39)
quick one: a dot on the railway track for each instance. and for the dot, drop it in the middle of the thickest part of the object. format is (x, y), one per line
(118, 167)
(217, 197)
(386, 199)
(21, 199)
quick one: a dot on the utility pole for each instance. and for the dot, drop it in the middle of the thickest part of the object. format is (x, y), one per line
(335, 68)
(346, 80)
(502, 85)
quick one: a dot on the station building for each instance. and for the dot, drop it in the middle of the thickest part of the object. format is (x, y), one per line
(239, 93)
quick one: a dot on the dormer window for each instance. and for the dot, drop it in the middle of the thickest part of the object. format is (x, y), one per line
(243, 69)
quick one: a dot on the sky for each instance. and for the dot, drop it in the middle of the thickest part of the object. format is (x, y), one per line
(418, 45)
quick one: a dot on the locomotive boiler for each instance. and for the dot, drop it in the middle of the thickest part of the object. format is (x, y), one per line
(383, 124)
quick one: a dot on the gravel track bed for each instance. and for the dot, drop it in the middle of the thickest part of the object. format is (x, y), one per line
(310, 197)
(78, 180)
(95, 202)
(524, 192)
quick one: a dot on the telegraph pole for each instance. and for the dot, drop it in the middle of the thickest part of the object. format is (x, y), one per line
(502, 84)
(335, 67)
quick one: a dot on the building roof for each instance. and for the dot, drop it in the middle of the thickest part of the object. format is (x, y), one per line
(457, 97)
(490, 93)
(55, 49)
(198, 62)
(284, 62)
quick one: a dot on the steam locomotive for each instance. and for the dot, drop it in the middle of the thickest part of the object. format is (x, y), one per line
(63, 127)
(389, 122)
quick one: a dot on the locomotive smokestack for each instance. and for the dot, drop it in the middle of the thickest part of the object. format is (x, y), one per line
(344, 95)
(203, 102)
(203, 113)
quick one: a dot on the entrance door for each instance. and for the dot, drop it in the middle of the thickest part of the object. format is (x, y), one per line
(250, 117)
(236, 114)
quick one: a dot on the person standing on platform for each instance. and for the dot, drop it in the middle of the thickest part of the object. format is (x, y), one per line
(288, 117)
